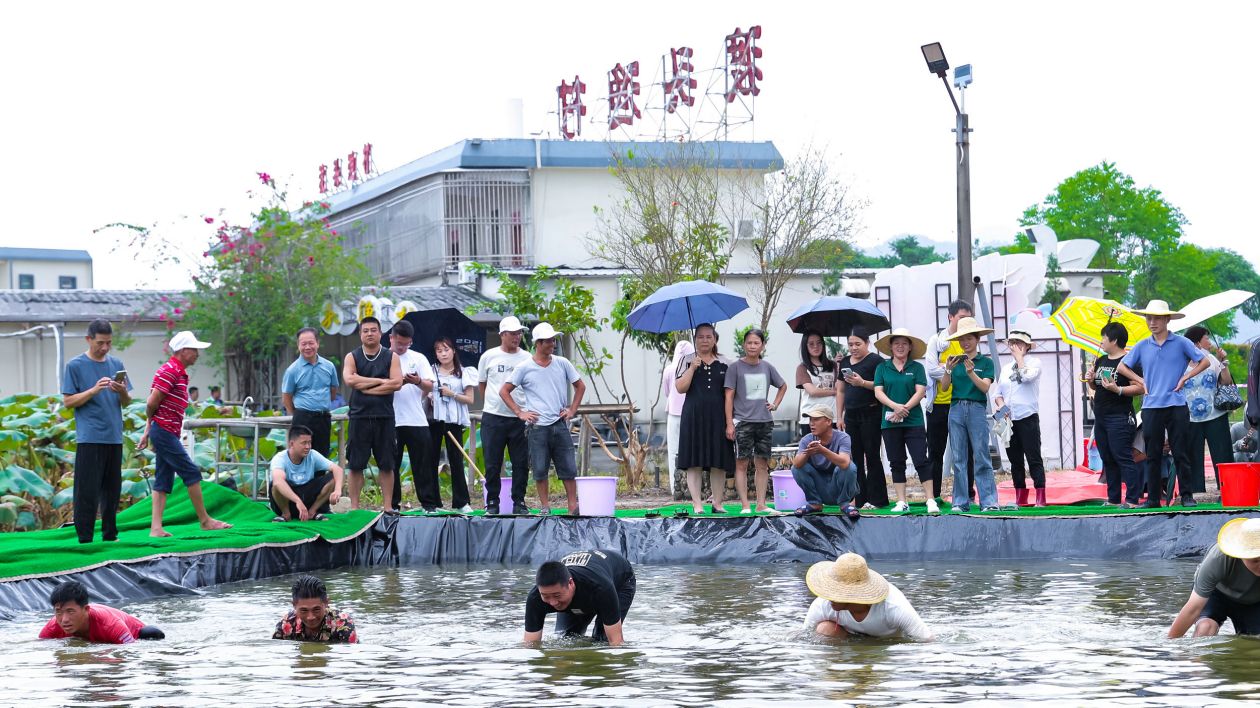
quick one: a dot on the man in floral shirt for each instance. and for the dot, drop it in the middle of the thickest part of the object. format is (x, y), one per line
(311, 619)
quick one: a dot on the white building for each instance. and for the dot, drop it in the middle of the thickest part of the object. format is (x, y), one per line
(44, 269)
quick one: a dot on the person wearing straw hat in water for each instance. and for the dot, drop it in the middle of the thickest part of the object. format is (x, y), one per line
(1226, 585)
(855, 600)
(1018, 385)
(1165, 359)
(900, 384)
(971, 374)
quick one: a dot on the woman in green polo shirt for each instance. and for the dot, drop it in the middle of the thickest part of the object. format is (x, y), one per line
(971, 375)
(900, 384)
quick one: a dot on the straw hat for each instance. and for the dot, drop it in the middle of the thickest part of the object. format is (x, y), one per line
(968, 325)
(847, 580)
(917, 346)
(1240, 538)
(1019, 335)
(1159, 308)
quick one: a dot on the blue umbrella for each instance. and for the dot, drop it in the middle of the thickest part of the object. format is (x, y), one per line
(837, 315)
(684, 306)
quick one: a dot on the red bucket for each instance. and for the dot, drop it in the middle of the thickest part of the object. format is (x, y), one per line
(1240, 483)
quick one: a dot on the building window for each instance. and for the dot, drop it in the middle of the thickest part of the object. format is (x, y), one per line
(26, 281)
(883, 300)
(67, 282)
(944, 296)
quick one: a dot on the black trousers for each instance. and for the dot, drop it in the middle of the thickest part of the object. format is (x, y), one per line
(1026, 443)
(863, 429)
(1215, 433)
(499, 433)
(1173, 422)
(938, 438)
(896, 442)
(417, 442)
(459, 481)
(320, 423)
(97, 486)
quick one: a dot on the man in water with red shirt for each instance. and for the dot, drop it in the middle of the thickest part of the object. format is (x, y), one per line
(168, 399)
(74, 617)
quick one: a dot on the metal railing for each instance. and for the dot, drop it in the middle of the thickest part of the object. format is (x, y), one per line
(250, 429)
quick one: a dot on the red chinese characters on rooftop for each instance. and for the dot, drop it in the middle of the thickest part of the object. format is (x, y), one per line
(742, 54)
(679, 83)
(570, 108)
(622, 90)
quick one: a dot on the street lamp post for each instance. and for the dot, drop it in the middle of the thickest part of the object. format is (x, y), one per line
(934, 55)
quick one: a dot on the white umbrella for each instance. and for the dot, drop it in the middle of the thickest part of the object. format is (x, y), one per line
(1208, 307)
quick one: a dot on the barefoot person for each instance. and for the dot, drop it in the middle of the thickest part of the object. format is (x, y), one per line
(312, 619)
(303, 482)
(1226, 585)
(855, 600)
(168, 399)
(590, 585)
(74, 616)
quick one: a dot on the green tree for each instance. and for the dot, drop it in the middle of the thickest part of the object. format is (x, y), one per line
(1130, 224)
(907, 250)
(1232, 271)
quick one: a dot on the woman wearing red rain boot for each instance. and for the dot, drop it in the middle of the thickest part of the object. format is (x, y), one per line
(1017, 398)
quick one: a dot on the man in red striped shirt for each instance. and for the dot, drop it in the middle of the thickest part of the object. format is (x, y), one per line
(168, 399)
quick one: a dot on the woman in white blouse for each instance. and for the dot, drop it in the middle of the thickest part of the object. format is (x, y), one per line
(452, 394)
(1018, 383)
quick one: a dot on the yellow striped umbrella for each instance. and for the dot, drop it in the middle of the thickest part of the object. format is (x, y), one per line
(1080, 321)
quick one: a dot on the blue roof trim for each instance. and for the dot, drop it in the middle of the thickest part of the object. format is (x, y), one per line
(520, 154)
(43, 254)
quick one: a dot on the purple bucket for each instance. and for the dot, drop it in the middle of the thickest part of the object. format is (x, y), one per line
(597, 496)
(787, 493)
(505, 494)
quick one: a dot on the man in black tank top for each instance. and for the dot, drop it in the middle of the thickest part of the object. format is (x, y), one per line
(372, 373)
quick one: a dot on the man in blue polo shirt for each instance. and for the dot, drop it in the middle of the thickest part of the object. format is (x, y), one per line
(1164, 359)
(303, 482)
(309, 387)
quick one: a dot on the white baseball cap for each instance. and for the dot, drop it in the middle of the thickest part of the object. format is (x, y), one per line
(544, 331)
(510, 324)
(186, 340)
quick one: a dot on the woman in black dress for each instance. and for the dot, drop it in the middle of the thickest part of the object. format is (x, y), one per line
(702, 443)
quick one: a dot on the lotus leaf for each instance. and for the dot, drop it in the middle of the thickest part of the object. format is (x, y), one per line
(8, 514)
(26, 520)
(65, 456)
(63, 497)
(19, 479)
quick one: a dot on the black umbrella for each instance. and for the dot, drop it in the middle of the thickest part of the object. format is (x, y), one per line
(469, 337)
(837, 315)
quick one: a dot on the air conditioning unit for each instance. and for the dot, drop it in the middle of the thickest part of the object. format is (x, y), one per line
(466, 274)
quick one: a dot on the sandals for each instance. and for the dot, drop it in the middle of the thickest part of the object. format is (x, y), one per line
(851, 511)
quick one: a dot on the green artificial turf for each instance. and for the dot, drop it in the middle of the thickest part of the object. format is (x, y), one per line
(56, 551)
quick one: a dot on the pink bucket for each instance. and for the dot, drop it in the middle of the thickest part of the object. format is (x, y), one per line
(597, 496)
(787, 493)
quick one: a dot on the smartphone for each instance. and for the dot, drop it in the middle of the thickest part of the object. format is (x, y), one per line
(121, 376)
(846, 372)
(1107, 374)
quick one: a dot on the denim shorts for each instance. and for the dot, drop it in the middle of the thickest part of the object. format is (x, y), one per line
(753, 440)
(552, 444)
(171, 459)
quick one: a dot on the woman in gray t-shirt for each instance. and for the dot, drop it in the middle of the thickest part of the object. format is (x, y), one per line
(749, 419)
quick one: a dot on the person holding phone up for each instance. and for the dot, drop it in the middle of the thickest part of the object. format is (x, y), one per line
(1114, 423)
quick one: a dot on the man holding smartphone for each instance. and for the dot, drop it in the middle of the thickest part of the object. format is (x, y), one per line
(95, 386)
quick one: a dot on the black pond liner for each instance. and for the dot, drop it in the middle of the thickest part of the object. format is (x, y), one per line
(450, 539)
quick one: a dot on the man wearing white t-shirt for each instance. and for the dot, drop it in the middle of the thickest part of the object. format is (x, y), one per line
(500, 428)
(855, 600)
(411, 425)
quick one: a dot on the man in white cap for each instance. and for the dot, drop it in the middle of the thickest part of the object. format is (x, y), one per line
(545, 379)
(1164, 358)
(501, 429)
(855, 600)
(1226, 585)
(168, 399)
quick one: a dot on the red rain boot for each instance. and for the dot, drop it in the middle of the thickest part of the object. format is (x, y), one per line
(1041, 497)
(1021, 497)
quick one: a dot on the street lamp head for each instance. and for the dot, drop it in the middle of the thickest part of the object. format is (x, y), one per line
(934, 55)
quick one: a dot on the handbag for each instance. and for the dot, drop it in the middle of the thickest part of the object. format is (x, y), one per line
(1227, 398)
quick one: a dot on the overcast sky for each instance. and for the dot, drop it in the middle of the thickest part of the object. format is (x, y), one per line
(161, 113)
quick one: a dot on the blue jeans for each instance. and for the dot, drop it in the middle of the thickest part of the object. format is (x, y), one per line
(1114, 435)
(551, 444)
(969, 429)
(170, 459)
(838, 486)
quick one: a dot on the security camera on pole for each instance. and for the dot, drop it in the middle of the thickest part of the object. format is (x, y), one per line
(937, 64)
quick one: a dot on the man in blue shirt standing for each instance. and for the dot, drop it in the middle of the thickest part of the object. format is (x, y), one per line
(303, 482)
(1164, 359)
(95, 386)
(309, 387)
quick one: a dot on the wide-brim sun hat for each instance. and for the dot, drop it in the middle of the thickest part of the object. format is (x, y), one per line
(1159, 308)
(1240, 538)
(847, 579)
(968, 325)
(544, 331)
(917, 346)
(1019, 335)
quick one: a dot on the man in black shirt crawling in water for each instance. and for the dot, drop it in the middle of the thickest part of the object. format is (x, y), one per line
(580, 587)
